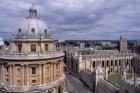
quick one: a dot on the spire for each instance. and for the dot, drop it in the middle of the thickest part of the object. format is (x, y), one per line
(32, 11)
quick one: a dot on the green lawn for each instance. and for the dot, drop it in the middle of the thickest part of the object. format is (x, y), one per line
(72, 91)
(114, 78)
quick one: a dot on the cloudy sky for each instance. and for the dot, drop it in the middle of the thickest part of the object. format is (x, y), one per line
(76, 19)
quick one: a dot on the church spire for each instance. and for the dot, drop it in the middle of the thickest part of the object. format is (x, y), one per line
(32, 11)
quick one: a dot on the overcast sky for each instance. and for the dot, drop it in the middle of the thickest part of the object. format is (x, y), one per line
(76, 19)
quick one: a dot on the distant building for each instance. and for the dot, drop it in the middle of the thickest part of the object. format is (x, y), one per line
(123, 44)
(136, 47)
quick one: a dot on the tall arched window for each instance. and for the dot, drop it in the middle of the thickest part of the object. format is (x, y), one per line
(93, 64)
(103, 65)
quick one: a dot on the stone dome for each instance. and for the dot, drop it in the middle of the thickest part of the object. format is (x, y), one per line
(32, 27)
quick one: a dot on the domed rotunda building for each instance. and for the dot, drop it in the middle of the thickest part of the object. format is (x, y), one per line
(32, 64)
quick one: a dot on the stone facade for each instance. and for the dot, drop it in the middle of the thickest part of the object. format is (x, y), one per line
(109, 59)
(33, 63)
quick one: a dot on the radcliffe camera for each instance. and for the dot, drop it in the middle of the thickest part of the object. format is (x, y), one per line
(69, 46)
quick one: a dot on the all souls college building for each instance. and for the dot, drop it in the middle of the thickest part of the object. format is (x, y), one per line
(32, 64)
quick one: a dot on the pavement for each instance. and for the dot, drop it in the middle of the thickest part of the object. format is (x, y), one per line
(78, 86)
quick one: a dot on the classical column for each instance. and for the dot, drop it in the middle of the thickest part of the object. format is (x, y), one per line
(52, 71)
(61, 67)
(28, 75)
(22, 66)
(40, 74)
(11, 75)
(3, 74)
(14, 75)
(44, 76)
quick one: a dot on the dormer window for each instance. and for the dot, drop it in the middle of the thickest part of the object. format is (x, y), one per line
(45, 30)
(19, 30)
(33, 30)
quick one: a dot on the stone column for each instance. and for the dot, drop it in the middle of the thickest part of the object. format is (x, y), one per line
(3, 74)
(27, 76)
(11, 75)
(113, 65)
(23, 75)
(52, 71)
(44, 71)
(40, 74)
(62, 67)
(109, 61)
(14, 75)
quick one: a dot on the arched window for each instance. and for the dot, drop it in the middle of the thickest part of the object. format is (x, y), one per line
(103, 65)
(111, 62)
(119, 62)
(19, 47)
(115, 62)
(107, 63)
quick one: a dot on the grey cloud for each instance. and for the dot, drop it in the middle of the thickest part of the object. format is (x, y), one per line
(77, 19)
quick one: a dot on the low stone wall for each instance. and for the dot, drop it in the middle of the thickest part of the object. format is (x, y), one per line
(69, 87)
(88, 78)
(104, 86)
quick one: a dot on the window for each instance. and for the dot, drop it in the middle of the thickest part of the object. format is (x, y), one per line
(19, 47)
(107, 63)
(102, 63)
(111, 63)
(19, 81)
(119, 62)
(115, 62)
(33, 70)
(127, 62)
(93, 64)
(33, 30)
(33, 47)
(46, 47)
(33, 81)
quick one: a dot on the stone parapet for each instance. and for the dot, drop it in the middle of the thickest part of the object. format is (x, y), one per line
(27, 56)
